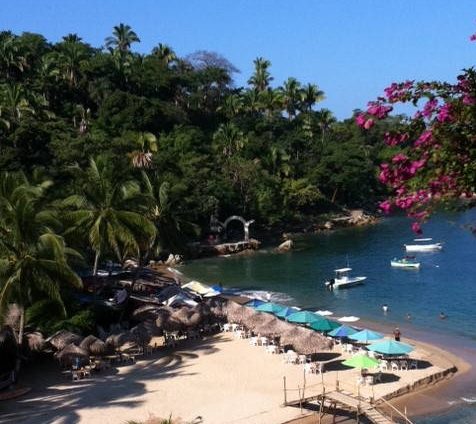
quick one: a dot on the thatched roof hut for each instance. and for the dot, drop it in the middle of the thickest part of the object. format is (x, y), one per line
(87, 341)
(188, 317)
(257, 320)
(310, 342)
(68, 355)
(145, 312)
(140, 334)
(238, 313)
(98, 347)
(163, 315)
(273, 327)
(118, 339)
(62, 338)
(35, 341)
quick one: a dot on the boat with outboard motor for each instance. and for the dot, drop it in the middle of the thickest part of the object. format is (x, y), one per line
(406, 262)
(423, 246)
(343, 279)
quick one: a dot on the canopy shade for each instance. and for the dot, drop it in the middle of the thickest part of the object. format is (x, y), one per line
(254, 303)
(324, 324)
(365, 336)
(343, 331)
(270, 307)
(361, 361)
(390, 347)
(285, 312)
(303, 317)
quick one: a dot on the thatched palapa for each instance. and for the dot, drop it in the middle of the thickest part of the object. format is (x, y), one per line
(238, 313)
(62, 338)
(68, 355)
(35, 341)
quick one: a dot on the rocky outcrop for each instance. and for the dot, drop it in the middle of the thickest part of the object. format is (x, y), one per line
(285, 246)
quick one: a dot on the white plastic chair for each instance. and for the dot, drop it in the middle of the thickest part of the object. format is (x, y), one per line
(394, 366)
(414, 365)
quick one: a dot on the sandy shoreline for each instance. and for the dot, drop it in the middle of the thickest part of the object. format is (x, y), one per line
(222, 379)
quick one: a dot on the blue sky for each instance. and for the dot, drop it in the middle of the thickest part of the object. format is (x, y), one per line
(351, 48)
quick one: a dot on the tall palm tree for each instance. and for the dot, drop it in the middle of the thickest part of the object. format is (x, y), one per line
(107, 210)
(72, 54)
(271, 101)
(325, 119)
(10, 55)
(163, 211)
(14, 102)
(33, 258)
(291, 96)
(310, 95)
(165, 53)
(122, 38)
(261, 77)
(230, 140)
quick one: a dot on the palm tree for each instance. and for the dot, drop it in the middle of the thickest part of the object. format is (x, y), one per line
(122, 38)
(261, 77)
(165, 53)
(72, 53)
(310, 95)
(10, 54)
(107, 211)
(271, 101)
(325, 120)
(230, 140)
(33, 257)
(291, 95)
(231, 105)
(14, 102)
(163, 212)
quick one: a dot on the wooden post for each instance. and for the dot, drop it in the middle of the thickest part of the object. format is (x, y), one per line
(300, 399)
(285, 396)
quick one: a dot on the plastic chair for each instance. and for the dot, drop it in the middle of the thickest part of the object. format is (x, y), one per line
(414, 365)
(394, 366)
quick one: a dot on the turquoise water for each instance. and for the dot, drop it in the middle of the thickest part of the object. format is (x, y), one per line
(446, 282)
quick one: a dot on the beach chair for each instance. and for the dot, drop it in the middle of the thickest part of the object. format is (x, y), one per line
(404, 365)
(414, 365)
(369, 380)
(254, 341)
(394, 366)
(383, 365)
(309, 368)
(226, 327)
(360, 381)
(319, 367)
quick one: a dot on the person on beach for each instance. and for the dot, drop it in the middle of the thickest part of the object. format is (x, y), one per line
(397, 334)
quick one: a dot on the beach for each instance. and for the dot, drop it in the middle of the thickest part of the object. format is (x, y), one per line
(220, 379)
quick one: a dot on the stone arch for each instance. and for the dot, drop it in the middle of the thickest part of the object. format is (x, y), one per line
(246, 224)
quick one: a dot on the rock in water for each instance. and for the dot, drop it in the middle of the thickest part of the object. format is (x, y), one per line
(285, 246)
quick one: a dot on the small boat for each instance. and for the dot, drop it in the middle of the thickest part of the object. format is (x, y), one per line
(343, 280)
(422, 246)
(405, 263)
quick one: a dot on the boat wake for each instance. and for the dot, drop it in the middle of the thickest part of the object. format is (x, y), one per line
(462, 400)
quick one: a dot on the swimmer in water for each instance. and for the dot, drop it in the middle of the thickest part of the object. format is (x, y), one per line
(409, 317)
(385, 307)
(443, 315)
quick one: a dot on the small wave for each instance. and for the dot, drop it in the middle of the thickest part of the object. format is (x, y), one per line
(469, 400)
(271, 296)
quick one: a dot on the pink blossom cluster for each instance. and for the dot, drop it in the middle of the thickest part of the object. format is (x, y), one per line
(363, 122)
(394, 139)
(444, 114)
(425, 139)
(398, 92)
(473, 37)
(378, 110)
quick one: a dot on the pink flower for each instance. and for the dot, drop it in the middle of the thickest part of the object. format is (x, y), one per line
(385, 206)
(429, 108)
(399, 158)
(468, 100)
(416, 165)
(473, 37)
(425, 138)
(360, 120)
(444, 115)
(416, 228)
(378, 110)
(369, 123)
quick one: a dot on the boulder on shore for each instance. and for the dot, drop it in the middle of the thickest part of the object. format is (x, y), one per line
(285, 246)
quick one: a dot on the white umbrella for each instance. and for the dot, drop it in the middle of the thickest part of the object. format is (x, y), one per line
(348, 319)
(324, 313)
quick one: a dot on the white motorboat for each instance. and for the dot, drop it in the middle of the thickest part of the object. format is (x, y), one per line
(343, 279)
(405, 263)
(422, 246)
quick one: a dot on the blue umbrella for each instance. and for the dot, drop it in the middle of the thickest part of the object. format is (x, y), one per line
(365, 336)
(218, 288)
(303, 317)
(270, 307)
(390, 347)
(284, 313)
(254, 303)
(343, 331)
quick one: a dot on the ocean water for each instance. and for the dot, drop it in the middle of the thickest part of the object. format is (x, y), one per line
(446, 282)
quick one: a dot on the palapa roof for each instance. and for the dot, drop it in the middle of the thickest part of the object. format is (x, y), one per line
(70, 353)
(62, 338)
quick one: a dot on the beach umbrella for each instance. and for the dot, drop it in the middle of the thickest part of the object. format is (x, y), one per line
(293, 333)
(270, 307)
(365, 336)
(390, 347)
(258, 320)
(98, 347)
(324, 313)
(253, 303)
(87, 341)
(303, 317)
(343, 331)
(68, 355)
(62, 338)
(35, 341)
(284, 313)
(361, 361)
(324, 325)
(238, 313)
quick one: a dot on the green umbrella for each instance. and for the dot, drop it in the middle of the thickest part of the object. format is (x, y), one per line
(361, 361)
(324, 325)
(270, 307)
(303, 317)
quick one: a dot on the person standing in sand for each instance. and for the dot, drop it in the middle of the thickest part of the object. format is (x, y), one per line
(397, 334)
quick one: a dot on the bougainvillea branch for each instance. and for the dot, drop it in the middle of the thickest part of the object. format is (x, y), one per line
(436, 157)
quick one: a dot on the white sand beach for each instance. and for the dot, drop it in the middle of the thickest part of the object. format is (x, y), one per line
(220, 379)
